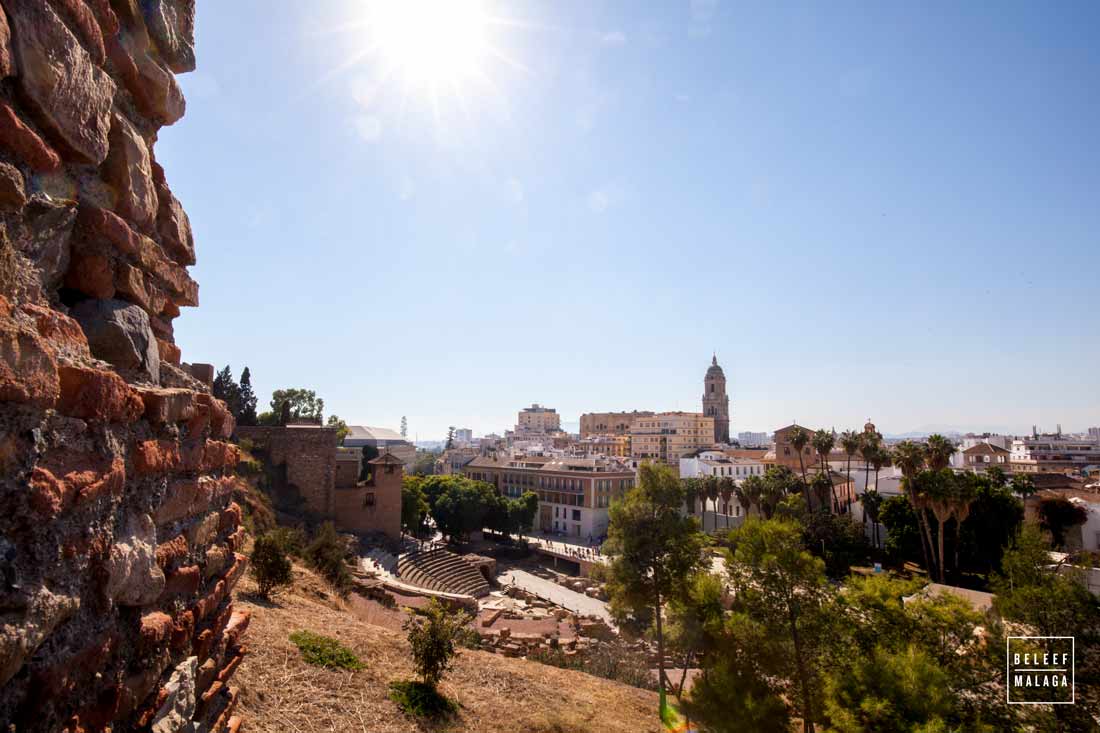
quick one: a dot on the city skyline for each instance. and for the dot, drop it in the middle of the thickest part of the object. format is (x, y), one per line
(884, 211)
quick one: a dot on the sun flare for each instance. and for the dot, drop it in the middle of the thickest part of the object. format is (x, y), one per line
(430, 43)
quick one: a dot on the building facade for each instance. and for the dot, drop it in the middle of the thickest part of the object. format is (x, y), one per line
(981, 457)
(463, 436)
(610, 423)
(538, 419)
(1053, 452)
(716, 403)
(373, 505)
(612, 446)
(668, 436)
(787, 455)
(754, 440)
(574, 493)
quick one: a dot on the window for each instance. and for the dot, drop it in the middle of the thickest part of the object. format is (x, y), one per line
(576, 515)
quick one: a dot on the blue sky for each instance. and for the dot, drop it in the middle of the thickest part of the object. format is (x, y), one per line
(882, 209)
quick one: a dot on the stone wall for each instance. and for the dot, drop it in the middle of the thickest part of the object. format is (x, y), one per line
(309, 454)
(118, 540)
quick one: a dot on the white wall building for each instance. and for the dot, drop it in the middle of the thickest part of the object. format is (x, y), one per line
(754, 440)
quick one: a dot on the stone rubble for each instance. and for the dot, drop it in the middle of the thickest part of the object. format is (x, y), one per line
(119, 540)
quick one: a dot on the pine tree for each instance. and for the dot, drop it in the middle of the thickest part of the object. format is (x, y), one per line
(404, 427)
(247, 400)
(450, 438)
(227, 390)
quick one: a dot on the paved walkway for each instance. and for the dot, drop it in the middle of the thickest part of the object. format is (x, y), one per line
(569, 548)
(556, 594)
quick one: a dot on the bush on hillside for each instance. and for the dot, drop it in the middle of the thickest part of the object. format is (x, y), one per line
(324, 651)
(291, 540)
(325, 554)
(269, 565)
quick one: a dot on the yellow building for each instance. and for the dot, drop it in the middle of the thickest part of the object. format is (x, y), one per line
(610, 423)
(605, 445)
(668, 436)
(538, 419)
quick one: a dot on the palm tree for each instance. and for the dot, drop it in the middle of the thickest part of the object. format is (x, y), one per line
(798, 439)
(938, 489)
(743, 497)
(691, 492)
(725, 488)
(872, 501)
(880, 460)
(850, 442)
(868, 446)
(965, 493)
(822, 483)
(823, 442)
(753, 488)
(938, 451)
(909, 458)
(710, 489)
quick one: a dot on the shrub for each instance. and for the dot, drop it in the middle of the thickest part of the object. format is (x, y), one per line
(246, 444)
(269, 565)
(291, 540)
(323, 651)
(326, 555)
(612, 661)
(433, 636)
(421, 700)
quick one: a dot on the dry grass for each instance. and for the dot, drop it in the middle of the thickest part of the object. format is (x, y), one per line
(280, 692)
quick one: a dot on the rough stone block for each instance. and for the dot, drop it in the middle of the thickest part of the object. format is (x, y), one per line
(28, 370)
(13, 189)
(156, 628)
(174, 714)
(119, 332)
(134, 577)
(22, 633)
(47, 239)
(82, 19)
(92, 274)
(72, 98)
(63, 334)
(172, 550)
(167, 406)
(171, 24)
(169, 352)
(7, 60)
(156, 457)
(128, 168)
(27, 145)
(184, 582)
(95, 394)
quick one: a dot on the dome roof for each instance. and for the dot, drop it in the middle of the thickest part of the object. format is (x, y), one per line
(715, 371)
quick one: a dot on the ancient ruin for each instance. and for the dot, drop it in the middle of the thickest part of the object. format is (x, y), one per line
(119, 539)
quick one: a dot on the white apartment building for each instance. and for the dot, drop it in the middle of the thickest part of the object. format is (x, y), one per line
(754, 440)
(464, 436)
(1053, 452)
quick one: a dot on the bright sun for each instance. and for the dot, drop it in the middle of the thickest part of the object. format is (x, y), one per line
(430, 43)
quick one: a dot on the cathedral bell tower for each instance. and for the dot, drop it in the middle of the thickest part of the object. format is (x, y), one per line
(716, 403)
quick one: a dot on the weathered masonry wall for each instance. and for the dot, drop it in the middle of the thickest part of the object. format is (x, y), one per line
(309, 454)
(118, 538)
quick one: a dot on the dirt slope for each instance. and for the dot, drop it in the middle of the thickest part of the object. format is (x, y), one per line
(280, 693)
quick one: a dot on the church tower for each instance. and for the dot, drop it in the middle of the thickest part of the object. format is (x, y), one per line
(716, 403)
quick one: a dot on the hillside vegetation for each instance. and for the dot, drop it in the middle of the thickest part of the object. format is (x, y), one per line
(280, 692)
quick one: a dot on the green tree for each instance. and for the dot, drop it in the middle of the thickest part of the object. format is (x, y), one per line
(228, 391)
(1057, 515)
(903, 535)
(693, 489)
(450, 438)
(404, 427)
(725, 490)
(269, 565)
(798, 439)
(369, 454)
(1023, 484)
(872, 502)
(414, 507)
(823, 442)
(462, 508)
(753, 489)
(909, 457)
(327, 555)
(247, 400)
(836, 538)
(653, 550)
(902, 691)
(995, 518)
(433, 637)
(850, 441)
(782, 587)
(778, 481)
(938, 451)
(710, 491)
(523, 511)
(341, 428)
(301, 404)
